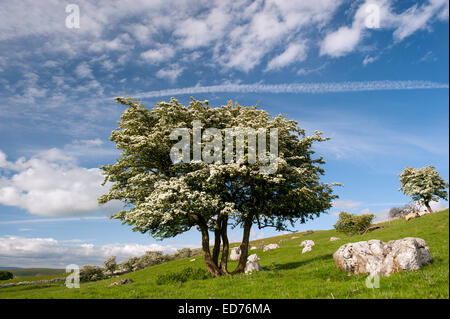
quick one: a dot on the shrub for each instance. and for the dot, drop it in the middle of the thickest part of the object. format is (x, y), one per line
(91, 273)
(308, 232)
(351, 224)
(6, 275)
(150, 258)
(408, 209)
(183, 253)
(395, 212)
(110, 264)
(130, 264)
(182, 276)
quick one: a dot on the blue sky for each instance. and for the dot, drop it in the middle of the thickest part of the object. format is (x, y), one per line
(372, 75)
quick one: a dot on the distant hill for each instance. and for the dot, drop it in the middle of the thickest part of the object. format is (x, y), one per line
(33, 272)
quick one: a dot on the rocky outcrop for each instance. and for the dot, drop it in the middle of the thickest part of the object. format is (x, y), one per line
(377, 257)
(235, 253)
(270, 247)
(334, 238)
(252, 264)
(121, 282)
(411, 216)
(307, 244)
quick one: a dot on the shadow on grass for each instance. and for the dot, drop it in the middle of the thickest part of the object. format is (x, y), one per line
(297, 264)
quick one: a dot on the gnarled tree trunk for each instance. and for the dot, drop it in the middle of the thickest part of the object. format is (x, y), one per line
(225, 248)
(427, 205)
(244, 247)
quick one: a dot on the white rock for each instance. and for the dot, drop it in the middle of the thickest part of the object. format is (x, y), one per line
(334, 238)
(422, 213)
(253, 248)
(306, 249)
(235, 253)
(411, 216)
(192, 260)
(375, 256)
(253, 258)
(270, 247)
(306, 243)
(252, 264)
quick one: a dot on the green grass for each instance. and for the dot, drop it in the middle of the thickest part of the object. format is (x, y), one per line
(287, 272)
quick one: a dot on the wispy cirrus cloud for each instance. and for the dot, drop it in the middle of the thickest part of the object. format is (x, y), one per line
(308, 88)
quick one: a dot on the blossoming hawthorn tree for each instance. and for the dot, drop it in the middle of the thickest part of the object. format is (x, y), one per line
(166, 198)
(424, 185)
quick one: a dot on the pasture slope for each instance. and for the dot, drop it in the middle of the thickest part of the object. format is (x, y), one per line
(287, 273)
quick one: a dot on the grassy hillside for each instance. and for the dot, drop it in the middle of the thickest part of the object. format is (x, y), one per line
(287, 272)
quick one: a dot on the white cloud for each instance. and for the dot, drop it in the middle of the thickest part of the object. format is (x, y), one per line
(83, 70)
(417, 17)
(294, 53)
(51, 184)
(345, 204)
(49, 252)
(346, 39)
(170, 73)
(340, 42)
(368, 60)
(160, 54)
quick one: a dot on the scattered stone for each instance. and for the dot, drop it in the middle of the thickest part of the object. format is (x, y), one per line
(375, 256)
(121, 282)
(293, 237)
(422, 213)
(270, 247)
(253, 248)
(252, 264)
(411, 216)
(334, 238)
(306, 243)
(306, 249)
(235, 253)
(192, 260)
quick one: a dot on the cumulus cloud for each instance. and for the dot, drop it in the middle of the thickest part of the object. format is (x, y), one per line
(375, 14)
(49, 252)
(160, 54)
(50, 183)
(171, 73)
(294, 52)
(340, 42)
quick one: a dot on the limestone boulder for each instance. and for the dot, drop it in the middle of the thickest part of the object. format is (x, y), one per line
(411, 216)
(270, 247)
(306, 243)
(306, 249)
(252, 264)
(375, 256)
(235, 253)
(334, 238)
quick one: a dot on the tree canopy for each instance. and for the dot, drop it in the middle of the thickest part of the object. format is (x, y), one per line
(166, 198)
(423, 185)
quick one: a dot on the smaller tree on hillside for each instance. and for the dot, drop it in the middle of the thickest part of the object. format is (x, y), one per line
(351, 224)
(110, 264)
(423, 185)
